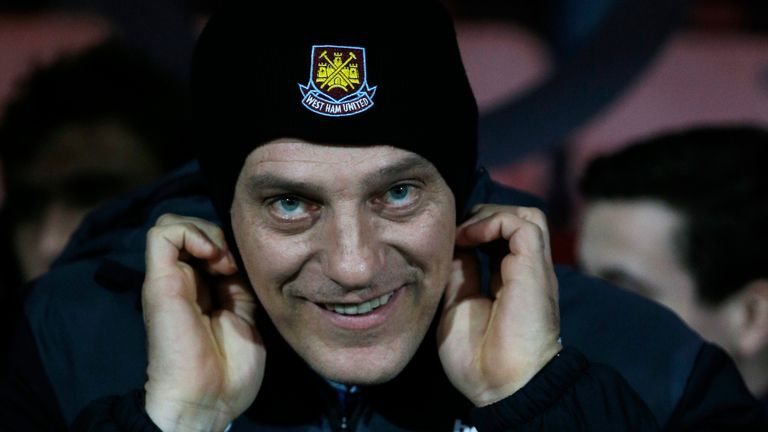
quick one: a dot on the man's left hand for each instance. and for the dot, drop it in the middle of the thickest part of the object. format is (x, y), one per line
(491, 347)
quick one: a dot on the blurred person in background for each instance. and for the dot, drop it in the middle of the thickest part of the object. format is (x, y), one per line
(681, 217)
(88, 127)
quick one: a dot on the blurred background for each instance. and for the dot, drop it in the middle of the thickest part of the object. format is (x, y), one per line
(557, 81)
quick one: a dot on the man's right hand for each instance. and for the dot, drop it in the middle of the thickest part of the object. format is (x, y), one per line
(206, 357)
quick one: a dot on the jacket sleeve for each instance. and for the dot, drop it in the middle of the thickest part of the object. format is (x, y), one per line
(569, 394)
(115, 414)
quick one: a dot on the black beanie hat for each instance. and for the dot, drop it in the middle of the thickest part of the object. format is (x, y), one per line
(362, 73)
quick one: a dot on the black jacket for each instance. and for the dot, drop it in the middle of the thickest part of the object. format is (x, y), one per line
(79, 357)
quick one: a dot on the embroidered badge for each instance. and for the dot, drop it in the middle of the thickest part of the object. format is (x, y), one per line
(337, 82)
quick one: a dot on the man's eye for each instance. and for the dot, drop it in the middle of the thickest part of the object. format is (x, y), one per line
(289, 207)
(400, 195)
(289, 204)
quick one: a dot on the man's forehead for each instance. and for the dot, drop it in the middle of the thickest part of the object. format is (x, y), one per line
(307, 158)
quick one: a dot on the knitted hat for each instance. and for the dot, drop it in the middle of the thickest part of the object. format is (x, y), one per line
(354, 73)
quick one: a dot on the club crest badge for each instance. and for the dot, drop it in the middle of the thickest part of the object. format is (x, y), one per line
(337, 82)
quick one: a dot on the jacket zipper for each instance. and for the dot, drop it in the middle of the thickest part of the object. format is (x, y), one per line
(345, 399)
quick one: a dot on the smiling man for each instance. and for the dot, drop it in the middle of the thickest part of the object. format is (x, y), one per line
(351, 271)
(338, 262)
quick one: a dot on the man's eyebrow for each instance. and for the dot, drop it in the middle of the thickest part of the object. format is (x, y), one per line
(405, 165)
(270, 181)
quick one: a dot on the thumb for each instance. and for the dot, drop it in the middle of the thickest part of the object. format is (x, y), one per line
(237, 296)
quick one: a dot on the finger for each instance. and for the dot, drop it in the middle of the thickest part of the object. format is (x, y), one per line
(167, 244)
(482, 211)
(493, 227)
(493, 223)
(527, 258)
(539, 219)
(529, 263)
(212, 230)
(235, 295)
(169, 276)
(464, 281)
(242, 348)
(531, 214)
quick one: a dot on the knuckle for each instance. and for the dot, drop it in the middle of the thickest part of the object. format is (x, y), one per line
(154, 232)
(215, 231)
(533, 214)
(188, 226)
(477, 207)
(530, 229)
(533, 233)
(218, 238)
(167, 218)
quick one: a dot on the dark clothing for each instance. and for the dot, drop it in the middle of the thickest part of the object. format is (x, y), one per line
(10, 283)
(80, 358)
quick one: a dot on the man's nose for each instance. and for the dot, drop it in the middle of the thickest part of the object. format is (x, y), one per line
(353, 253)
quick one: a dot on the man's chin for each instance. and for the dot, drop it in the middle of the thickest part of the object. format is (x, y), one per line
(360, 377)
(359, 370)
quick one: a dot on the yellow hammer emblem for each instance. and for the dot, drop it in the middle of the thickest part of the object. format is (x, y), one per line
(337, 72)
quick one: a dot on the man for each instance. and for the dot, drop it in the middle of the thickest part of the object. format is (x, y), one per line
(329, 287)
(86, 128)
(680, 218)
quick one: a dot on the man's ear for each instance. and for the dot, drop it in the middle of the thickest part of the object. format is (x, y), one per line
(753, 324)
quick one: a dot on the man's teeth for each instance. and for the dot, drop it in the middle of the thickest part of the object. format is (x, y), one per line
(360, 308)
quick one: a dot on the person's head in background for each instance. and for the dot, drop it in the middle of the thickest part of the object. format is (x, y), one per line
(682, 218)
(90, 126)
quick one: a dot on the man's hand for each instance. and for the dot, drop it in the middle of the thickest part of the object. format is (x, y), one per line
(491, 347)
(206, 357)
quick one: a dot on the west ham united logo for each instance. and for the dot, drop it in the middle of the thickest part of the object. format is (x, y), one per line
(337, 84)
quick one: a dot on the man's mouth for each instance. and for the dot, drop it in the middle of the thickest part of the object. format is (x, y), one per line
(359, 308)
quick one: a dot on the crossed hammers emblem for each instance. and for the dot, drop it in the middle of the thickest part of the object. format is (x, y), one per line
(336, 71)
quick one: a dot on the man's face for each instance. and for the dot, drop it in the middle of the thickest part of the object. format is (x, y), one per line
(348, 249)
(636, 244)
(73, 171)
